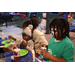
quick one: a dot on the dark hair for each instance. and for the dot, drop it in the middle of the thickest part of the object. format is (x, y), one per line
(35, 22)
(27, 22)
(61, 23)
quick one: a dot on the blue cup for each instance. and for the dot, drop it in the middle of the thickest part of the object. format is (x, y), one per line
(6, 38)
(42, 49)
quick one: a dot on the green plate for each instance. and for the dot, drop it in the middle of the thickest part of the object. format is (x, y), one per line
(7, 45)
(23, 52)
(6, 41)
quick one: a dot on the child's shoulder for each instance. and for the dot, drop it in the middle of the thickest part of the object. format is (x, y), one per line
(37, 32)
(66, 40)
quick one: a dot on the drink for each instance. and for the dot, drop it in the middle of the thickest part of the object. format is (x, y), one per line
(43, 48)
(17, 55)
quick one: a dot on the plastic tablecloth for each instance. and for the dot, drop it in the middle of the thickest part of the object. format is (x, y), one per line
(26, 58)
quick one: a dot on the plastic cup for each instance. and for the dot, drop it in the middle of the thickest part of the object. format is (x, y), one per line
(17, 55)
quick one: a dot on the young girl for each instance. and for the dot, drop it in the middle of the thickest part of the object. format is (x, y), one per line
(26, 43)
(25, 24)
(27, 36)
(60, 47)
(37, 36)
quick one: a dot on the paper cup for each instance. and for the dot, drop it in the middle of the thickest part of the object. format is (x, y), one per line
(17, 55)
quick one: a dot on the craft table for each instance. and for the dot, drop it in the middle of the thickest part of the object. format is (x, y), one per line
(26, 58)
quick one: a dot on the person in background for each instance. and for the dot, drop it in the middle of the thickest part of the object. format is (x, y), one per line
(63, 15)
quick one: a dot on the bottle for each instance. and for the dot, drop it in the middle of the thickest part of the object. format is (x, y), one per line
(43, 48)
(17, 55)
(33, 54)
(2, 35)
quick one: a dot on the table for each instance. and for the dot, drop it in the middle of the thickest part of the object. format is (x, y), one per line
(26, 58)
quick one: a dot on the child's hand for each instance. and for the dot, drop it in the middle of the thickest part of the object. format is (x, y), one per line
(24, 43)
(11, 37)
(45, 53)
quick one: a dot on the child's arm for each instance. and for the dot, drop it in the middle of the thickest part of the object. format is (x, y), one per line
(17, 40)
(52, 57)
(11, 37)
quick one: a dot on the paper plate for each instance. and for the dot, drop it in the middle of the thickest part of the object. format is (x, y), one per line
(7, 45)
(23, 52)
(6, 41)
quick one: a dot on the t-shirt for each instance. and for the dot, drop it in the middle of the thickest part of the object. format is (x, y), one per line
(61, 49)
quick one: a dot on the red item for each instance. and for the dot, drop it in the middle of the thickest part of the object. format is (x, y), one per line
(44, 18)
(13, 20)
(70, 15)
(22, 15)
(17, 56)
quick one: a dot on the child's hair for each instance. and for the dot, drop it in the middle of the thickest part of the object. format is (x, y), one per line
(27, 22)
(60, 23)
(35, 22)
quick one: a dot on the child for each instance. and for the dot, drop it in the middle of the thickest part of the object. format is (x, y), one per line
(37, 36)
(60, 47)
(25, 24)
(26, 43)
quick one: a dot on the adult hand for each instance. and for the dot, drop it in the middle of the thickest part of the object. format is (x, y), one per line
(10, 48)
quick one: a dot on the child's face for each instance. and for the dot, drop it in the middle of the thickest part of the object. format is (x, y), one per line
(57, 34)
(26, 37)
